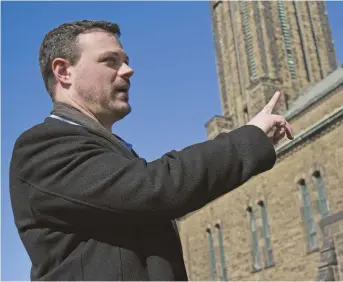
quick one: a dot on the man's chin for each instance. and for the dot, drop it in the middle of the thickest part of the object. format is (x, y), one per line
(123, 111)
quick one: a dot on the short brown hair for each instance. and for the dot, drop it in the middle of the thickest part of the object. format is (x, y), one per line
(61, 42)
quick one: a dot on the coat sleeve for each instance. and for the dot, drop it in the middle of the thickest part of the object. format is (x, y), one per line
(77, 181)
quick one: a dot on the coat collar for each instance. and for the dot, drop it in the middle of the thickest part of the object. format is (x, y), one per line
(68, 112)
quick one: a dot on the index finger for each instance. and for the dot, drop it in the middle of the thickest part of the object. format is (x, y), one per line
(270, 106)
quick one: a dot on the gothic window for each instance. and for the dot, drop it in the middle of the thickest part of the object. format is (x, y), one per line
(321, 194)
(269, 259)
(222, 253)
(254, 241)
(212, 255)
(308, 216)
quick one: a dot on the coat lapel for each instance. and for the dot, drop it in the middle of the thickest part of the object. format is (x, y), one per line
(68, 112)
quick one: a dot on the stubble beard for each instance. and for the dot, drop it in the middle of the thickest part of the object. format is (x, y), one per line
(113, 110)
(122, 111)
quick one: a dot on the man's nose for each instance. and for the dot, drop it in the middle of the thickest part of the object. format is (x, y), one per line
(125, 71)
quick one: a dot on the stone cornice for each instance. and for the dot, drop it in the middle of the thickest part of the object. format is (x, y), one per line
(311, 105)
(328, 121)
(317, 92)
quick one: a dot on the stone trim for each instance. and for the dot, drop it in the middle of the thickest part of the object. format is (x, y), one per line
(328, 92)
(330, 220)
(310, 106)
(331, 119)
(211, 119)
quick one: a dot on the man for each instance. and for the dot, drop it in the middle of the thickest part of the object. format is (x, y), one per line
(85, 205)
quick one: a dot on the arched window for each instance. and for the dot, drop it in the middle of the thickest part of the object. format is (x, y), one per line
(308, 216)
(269, 259)
(254, 241)
(321, 194)
(212, 254)
(222, 253)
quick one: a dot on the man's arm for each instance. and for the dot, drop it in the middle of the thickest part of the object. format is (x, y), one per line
(77, 182)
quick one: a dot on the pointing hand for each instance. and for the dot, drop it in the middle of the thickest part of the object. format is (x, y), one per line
(275, 126)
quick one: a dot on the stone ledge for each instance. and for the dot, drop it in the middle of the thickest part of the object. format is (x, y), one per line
(330, 220)
(315, 93)
(310, 131)
(218, 124)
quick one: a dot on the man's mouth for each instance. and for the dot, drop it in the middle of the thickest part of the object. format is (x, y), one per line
(123, 94)
(124, 89)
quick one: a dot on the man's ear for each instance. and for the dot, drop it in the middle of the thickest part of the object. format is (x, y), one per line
(60, 68)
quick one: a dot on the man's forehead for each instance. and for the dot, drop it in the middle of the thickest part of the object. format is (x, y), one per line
(99, 40)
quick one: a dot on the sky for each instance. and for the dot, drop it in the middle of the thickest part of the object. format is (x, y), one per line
(174, 90)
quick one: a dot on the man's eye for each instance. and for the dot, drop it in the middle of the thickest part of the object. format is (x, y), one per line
(111, 60)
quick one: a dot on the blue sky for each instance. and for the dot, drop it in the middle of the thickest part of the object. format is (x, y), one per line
(174, 90)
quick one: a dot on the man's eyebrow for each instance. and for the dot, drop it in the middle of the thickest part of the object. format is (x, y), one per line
(113, 53)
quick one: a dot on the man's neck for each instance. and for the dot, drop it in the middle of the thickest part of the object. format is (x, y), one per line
(87, 112)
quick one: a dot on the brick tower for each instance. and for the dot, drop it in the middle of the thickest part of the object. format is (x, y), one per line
(263, 46)
(286, 223)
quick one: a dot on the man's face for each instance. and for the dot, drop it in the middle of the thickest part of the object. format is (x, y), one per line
(101, 76)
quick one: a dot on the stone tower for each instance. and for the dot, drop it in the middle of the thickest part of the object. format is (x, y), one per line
(264, 46)
(285, 224)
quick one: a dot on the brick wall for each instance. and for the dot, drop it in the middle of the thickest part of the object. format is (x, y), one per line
(279, 190)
